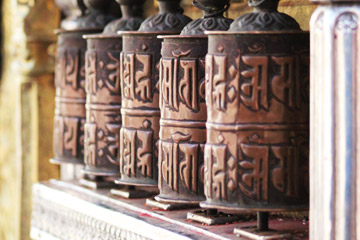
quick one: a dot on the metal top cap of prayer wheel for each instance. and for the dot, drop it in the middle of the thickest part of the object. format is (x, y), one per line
(212, 4)
(169, 19)
(97, 4)
(213, 18)
(132, 17)
(98, 15)
(265, 17)
(73, 11)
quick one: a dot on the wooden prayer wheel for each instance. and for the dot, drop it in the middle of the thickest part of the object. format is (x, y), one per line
(140, 63)
(257, 97)
(183, 108)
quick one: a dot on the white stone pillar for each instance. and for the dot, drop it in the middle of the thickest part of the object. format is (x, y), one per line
(335, 121)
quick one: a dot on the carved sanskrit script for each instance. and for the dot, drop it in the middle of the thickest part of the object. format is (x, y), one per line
(287, 85)
(101, 142)
(215, 171)
(259, 167)
(67, 134)
(136, 152)
(257, 82)
(136, 76)
(90, 66)
(67, 69)
(111, 81)
(179, 162)
(113, 67)
(186, 90)
(90, 144)
(112, 141)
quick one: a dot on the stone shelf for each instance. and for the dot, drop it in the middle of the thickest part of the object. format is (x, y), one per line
(66, 210)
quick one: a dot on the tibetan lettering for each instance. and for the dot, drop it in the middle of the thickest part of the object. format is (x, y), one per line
(128, 75)
(169, 82)
(179, 164)
(255, 170)
(276, 164)
(188, 84)
(136, 76)
(286, 86)
(219, 83)
(72, 68)
(218, 187)
(112, 142)
(90, 66)
(128, 151)
(144, 153)
(90, 144)
(136, 152)
(113, 82)
(188, 167)
(255, 92)
(169, 166)
(142, 77)
(185, 90)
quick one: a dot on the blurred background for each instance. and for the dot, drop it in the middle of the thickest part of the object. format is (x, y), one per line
(28, 45)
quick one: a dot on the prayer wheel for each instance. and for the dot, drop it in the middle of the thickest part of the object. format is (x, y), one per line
(257, 97)
(183, 108)
(140, 63)
(103, 102)
(70, 83)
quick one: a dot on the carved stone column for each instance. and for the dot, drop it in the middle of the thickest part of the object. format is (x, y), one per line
(335, 129)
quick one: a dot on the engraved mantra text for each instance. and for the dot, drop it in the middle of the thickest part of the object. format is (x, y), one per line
(68, 136)
(187, 90)
(68, 68)
(259, 165)
(172, 168)
(136, 152)
(136, 76)
(112, 70)
(99, 143)
(256, 86)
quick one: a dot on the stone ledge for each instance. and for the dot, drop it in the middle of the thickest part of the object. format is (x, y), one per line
(65, 210)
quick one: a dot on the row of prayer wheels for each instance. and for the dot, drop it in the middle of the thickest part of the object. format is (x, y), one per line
(211, 111)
